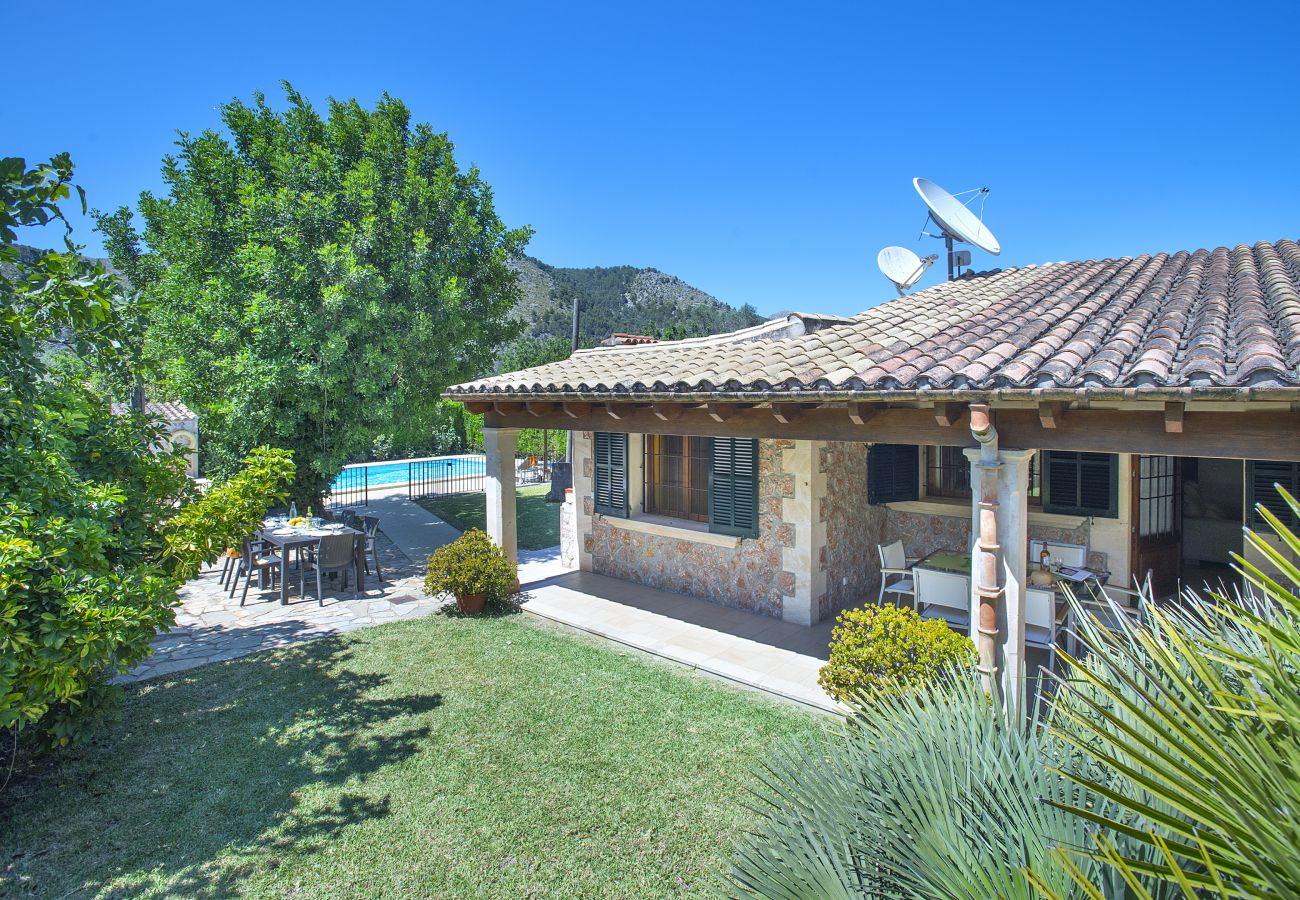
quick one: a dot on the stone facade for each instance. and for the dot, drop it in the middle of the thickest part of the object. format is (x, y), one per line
(816, 552)
(748, 576)
(853, 529)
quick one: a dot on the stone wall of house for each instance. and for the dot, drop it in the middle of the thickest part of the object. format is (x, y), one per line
(749, 576)
(853, 529)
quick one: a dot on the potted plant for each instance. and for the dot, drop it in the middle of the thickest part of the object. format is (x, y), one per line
(473, 570)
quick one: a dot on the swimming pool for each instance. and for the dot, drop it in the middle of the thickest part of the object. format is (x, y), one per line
(381, 474)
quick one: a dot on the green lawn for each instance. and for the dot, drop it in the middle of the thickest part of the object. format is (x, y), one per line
(443, 757)
(537, 522)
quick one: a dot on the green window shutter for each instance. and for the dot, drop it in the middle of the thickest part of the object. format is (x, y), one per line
(893, 473)
(733, 487)
(610, 485)
(1261, 475)
(1081, 484)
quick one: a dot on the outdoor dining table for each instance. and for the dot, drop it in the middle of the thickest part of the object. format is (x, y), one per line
(958, 562)
(286, 538)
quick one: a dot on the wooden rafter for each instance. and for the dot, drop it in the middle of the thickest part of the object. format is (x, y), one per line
(861, 413)
(1050, 413)
(947, 414)
(1174, 417)
(1252, 434)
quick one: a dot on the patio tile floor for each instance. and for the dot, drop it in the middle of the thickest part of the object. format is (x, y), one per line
(764, 653)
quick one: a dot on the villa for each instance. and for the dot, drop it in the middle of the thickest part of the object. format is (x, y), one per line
(181, 425)
(1134, 409)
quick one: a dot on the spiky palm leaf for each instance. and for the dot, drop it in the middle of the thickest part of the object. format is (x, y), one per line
(1191, 727)
(924, 793)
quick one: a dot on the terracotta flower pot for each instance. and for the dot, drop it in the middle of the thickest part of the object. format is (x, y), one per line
(470, 604)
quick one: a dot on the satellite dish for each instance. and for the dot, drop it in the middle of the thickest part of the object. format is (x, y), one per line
(901, 266)
(957, 222)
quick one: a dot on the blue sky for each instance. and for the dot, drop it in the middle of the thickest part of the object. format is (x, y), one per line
(764, 153)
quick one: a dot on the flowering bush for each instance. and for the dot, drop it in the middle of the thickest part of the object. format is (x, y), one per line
(884, 644)
(471, 564)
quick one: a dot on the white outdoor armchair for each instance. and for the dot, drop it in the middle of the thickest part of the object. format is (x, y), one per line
(895, 563)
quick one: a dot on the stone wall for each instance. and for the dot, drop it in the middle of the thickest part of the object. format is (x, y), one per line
(749, 576)
(853, 529)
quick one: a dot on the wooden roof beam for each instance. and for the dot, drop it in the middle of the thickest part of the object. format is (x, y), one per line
(539, 407)
(861, 413)
(576, 410)
(721, 412)
(947, 414)
(1174, 411)
(667, 412)
(623, 410)
(1050, 413)
(478, 407)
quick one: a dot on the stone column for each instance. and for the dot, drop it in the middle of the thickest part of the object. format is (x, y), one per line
(499, 486)
(1011, 470)
(804, 582)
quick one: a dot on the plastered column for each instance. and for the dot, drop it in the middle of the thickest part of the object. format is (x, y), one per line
(1012, 512)
(802, 510)
(499, 487)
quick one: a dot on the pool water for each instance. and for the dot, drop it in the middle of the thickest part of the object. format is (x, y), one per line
(387, 473)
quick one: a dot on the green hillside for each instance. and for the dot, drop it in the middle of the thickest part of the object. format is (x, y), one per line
(619, 298)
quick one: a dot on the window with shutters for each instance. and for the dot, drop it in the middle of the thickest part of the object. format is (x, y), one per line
(733, 486)
(947, 473)
(609, 476)
(1080, 484)
(1261, 476)
(893, 473)
(677, 476)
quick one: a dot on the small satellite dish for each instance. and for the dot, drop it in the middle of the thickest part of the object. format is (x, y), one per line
(957, 222)
(901, 266)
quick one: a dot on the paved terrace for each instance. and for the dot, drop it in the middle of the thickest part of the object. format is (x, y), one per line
(755, 651)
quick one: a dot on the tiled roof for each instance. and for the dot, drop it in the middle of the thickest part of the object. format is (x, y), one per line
(170, 412)
(1211, 322)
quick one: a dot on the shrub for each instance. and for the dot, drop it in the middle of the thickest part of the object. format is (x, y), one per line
(471, 564)
(97, 532)
(889, 645)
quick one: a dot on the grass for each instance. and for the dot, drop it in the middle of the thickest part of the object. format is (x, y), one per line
(537, 522)
(441, 757)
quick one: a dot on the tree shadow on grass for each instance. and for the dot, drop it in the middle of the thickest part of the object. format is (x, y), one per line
(214, 775)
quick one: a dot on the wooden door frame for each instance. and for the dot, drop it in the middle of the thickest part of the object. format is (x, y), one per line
(1175, 538)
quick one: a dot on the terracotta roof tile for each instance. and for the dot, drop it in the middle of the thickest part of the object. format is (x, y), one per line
(1222, 318)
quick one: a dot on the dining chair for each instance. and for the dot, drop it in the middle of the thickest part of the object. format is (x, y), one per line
(242, 562)
(335, 553)
(1043, 621)
(943, 595)
(257, 561)
(370, 527)
(895, 563)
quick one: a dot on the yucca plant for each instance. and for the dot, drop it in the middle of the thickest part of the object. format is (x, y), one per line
(924, 792)
(1188, 726)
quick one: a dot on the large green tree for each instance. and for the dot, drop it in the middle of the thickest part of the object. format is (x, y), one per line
(97, 531)
(316, 281)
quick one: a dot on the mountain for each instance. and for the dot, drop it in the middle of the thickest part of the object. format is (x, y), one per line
(619, 298)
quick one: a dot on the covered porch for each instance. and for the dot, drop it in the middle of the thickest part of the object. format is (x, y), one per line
(817, 528)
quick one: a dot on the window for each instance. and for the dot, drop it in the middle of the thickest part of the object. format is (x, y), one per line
(677, 476)
(892, 473)
(1080, 484)
(1261, 475)
(947, 472)
(609, 484)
